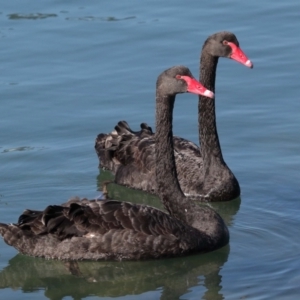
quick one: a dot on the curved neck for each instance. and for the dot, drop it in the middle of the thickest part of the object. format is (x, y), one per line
(208, 224)
(168, 188)
(208, 135)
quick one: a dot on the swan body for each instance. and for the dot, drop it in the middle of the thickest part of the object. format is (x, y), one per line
(102, 229)
(202, 172)
(109, 229)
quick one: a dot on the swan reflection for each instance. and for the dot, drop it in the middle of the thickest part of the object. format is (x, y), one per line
(173, 278)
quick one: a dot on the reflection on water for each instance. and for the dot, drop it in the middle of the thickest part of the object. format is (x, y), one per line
(123, 193)
(31, 16)
(226, 209)
(174, 277)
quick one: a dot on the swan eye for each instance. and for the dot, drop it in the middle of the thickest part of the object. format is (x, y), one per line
(225, 42)
(178, 77)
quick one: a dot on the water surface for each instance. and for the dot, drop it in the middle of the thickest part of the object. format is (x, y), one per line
(70, 70)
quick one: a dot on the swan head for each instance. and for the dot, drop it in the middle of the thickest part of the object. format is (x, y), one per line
(225, 44)
(179, 79)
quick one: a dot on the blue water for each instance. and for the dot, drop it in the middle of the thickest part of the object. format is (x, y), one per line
(72, 69)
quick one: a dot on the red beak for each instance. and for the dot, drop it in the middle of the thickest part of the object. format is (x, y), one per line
(239, 56)
(196, 87)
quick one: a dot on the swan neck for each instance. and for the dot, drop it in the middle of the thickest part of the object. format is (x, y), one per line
(208, 135)
(168, 188)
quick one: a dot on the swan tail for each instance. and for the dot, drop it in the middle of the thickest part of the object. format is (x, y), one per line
(123, 128)
(110, 147)
(3, 229)
(7, 232)
(105, 146)
(17, 237)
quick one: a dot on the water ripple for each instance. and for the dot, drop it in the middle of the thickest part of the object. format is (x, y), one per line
(22, 148)
(107, 19)
(31, 16)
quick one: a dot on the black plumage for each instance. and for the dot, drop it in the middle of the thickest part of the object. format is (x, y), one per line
(110, 229)
(202, 172)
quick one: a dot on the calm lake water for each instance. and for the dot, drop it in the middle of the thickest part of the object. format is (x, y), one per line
(73, 69)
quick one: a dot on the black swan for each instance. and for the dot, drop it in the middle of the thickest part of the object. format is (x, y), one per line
(110, 229)
(202, 172)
